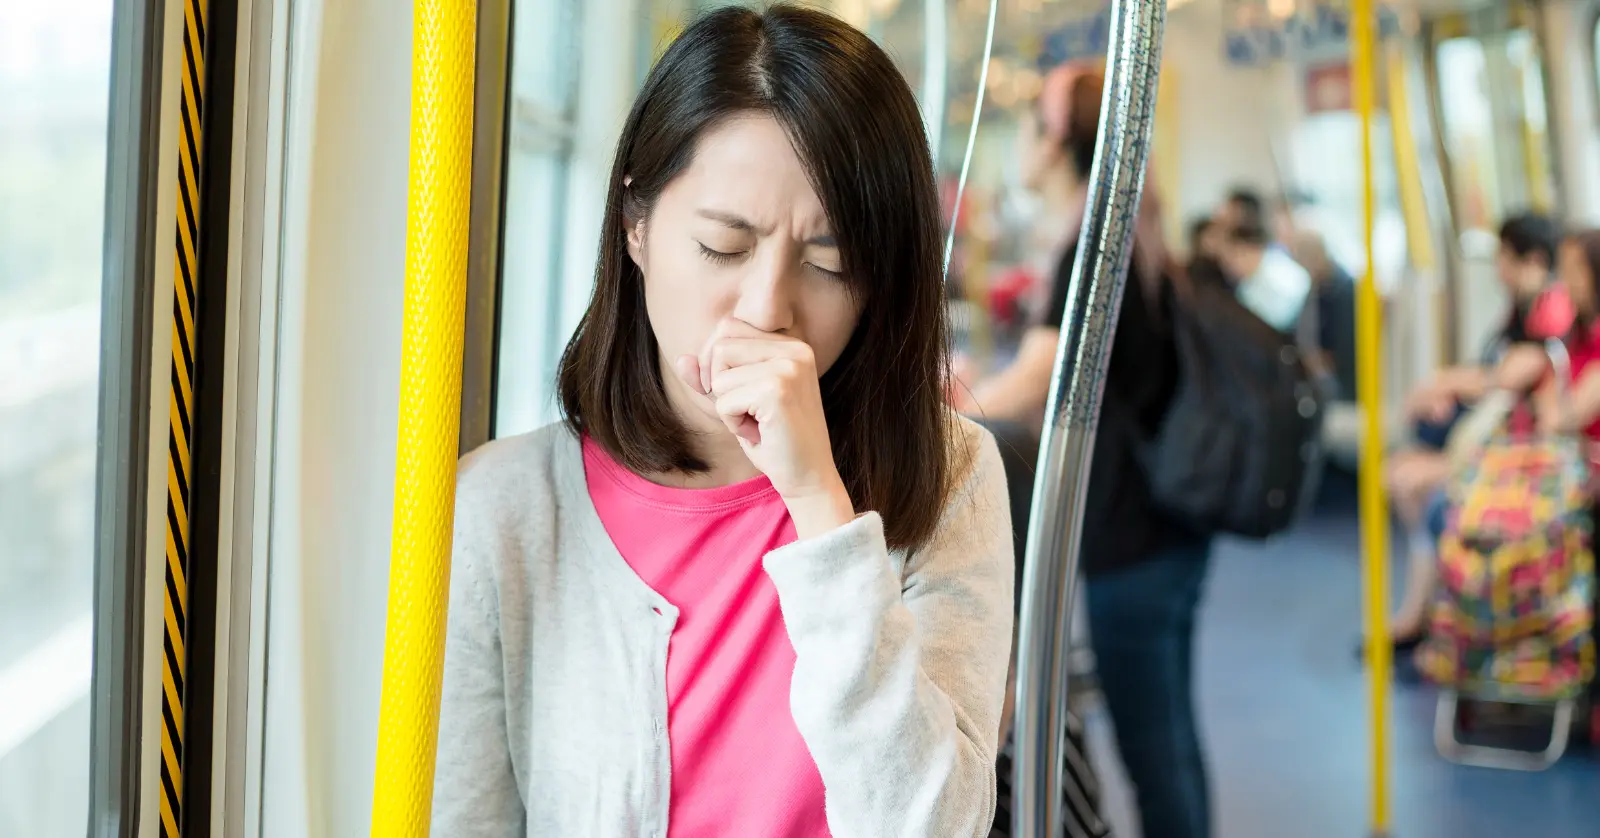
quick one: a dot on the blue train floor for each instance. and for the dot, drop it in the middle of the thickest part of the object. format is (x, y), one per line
(1284, 712)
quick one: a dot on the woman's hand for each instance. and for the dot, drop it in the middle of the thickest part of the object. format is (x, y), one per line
(767, 392)
(1431, 403)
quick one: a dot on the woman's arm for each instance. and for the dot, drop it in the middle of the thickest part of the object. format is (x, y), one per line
(1463, 384)
(1522, 368)
(475, 788)
(1583, 404)
(900, 671)
(1019, 392)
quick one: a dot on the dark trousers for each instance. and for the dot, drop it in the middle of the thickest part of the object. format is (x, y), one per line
(1142, 628)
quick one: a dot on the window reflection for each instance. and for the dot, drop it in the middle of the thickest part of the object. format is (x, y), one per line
(54, 64)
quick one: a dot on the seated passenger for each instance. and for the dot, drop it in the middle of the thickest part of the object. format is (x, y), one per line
(1269, 281)
(1144, 574)
(1527, 365)
(1416, 476)
(757, 583)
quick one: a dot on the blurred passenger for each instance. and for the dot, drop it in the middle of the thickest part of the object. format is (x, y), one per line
(1284, 225)
(1527, 366)
(1329, 322)
(756, 583)
(1416, 476)
(1242, 207)
(1208, 237)
(1270, 283)
(1144, 574)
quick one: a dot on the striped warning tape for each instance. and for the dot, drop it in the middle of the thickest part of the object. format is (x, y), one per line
(180, 436)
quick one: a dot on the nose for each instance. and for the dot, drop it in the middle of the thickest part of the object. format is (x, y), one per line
(766, 296)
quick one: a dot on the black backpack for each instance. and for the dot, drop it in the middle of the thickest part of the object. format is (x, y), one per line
(1239, 449)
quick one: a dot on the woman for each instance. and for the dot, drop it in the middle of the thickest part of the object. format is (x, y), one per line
(1416, 476)
(757, 583)
(1144, 573)
(1578, 267)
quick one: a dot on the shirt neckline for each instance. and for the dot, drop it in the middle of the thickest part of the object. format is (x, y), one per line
(674, 498)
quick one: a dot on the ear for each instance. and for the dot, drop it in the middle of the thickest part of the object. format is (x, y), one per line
(635, 232)
(634, 227)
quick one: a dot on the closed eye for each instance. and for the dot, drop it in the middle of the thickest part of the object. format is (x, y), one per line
(717, 256)
(826, 272)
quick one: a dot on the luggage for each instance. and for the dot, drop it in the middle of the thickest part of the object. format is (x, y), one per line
(1239, 450)
(1513, 618)
(1516, 573)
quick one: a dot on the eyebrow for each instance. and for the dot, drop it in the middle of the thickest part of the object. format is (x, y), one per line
(744, 225)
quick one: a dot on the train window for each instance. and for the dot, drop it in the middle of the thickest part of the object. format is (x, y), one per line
(1495, 127)
(1325, 168)
(54, 67)
(542, 127)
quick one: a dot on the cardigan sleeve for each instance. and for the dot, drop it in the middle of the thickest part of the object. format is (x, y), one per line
(901, 662)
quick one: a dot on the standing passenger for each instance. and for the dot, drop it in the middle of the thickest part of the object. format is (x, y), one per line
(758, 582)
(1144, 573)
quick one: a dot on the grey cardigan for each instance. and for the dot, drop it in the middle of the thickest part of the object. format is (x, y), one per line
(554, 710)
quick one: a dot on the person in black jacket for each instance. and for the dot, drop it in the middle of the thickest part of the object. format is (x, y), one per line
(1144, 573)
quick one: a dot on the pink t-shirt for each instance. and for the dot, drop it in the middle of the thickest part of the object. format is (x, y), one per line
(739, 766)
(1583, 350)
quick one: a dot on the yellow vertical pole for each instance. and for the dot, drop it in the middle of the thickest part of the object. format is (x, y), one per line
(443, 44)
(1374, 507)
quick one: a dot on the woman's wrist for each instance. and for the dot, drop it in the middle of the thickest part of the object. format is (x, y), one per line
(821, 511)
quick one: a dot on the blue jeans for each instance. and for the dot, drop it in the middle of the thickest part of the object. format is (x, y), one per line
(1142, 625)
(1437, 516)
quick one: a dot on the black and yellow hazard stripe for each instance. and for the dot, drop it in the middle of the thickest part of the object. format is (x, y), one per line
(180, 448)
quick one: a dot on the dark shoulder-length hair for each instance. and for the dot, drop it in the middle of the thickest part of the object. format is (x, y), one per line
(857, 129)
(1588, 243)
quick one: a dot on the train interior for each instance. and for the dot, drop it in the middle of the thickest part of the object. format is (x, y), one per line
(269, 139)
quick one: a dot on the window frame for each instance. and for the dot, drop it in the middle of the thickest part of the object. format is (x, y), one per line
(486, 232)
(535, 130)
(127, 295)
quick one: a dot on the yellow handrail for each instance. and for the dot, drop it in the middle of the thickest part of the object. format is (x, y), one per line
(1374, 517)
(1419, 230)
(443, 43)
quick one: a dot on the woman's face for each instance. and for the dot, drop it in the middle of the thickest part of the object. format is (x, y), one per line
(740, 240)
(1036, 152)
(1523, 276)
(1213, 241)
(1578, 280)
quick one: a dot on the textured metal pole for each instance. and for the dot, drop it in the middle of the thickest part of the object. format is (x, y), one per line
(444, 52)
(1104, 244)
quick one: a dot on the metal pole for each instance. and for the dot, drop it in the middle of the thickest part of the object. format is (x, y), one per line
(1093, 297)
(438, 226)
